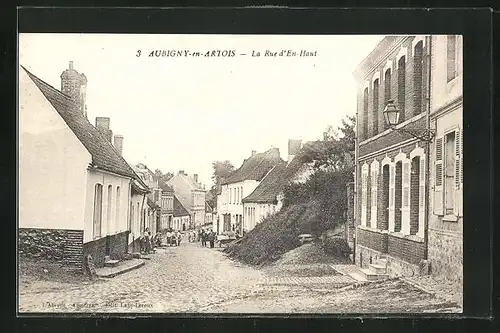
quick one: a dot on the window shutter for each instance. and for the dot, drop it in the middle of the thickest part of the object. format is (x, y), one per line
(457, 202)
(461, 206)
(363, 196)
(422, 198)
(374, 195)
(392, 190)
(405, 210)
(438, 177)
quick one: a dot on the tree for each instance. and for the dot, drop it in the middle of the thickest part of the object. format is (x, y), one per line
(336, 150)
(221, 169)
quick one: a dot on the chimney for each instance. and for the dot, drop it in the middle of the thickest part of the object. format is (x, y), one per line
(181, 172)
(254, 152)
(118, 143)
(325, 136)
(74, 85)
(275, 152)
(195, 177)
(294, 147)
(102, 125)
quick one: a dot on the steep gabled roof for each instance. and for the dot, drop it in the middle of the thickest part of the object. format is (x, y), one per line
(165, 187)
(179, 209)
(104, 155)
(276, 180)
(272, 184)
(255, 167)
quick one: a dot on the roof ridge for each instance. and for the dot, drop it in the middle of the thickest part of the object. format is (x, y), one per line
(48, 85)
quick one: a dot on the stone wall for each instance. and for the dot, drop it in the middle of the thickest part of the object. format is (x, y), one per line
(395, 266)
(446, 255)
(57, 245)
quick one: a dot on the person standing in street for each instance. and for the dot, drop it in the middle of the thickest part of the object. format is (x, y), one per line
(211, 238)
(203, 238)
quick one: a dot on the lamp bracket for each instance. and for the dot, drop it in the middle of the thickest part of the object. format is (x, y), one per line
(425, 135)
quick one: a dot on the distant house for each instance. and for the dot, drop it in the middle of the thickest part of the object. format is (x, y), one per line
(182, 218)
(240, 182)
(192, 196)
(267, 198)
(154, 209)
(167, 206)
(209, 214)
(75, 189)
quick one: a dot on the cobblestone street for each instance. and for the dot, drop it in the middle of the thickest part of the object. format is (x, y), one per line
(193, 279)
(176, 279)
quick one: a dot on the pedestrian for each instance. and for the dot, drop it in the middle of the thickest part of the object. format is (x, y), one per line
(146, 241)
(169, 238)
(179, 237)
(150, 242)
(211, 238)
(203, 238)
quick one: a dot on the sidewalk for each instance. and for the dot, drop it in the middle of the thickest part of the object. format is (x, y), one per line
(123, 267)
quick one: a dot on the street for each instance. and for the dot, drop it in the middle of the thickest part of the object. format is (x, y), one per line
(192, 279)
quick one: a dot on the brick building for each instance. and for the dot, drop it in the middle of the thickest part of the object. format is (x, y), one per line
(408, 201)
(390, 169)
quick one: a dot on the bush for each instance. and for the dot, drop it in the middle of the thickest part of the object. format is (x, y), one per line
(336, 246)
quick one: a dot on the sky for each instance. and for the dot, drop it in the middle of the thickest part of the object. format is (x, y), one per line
(183, 113)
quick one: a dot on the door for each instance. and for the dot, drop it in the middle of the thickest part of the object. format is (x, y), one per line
(97, 211)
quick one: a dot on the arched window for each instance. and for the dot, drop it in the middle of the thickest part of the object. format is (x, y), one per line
(97, 221)
(387, 89)
(117, 206)
(415, 195)
(402, 87)
(398, 196)
(417, 77)
(384, 223)
(365, 113)
(109, 212)
(376, 89)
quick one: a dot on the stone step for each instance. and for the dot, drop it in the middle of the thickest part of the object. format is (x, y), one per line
(357, 276)
(377, 268)
(382, 262)
(371, 276)
(111, 263)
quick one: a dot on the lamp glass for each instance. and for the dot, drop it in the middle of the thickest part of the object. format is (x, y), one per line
(391, 113)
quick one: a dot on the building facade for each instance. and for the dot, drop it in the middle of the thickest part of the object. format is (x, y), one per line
(182, 217)
(192, 196)
(391, 182)
(167, 206)
(446, 176)
(240, 183)
(75, 188)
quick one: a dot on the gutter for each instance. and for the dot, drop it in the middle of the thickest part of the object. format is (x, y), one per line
(427, 154)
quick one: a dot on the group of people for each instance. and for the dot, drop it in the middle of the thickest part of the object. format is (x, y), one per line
(173, 237)
(207, 236)
(149, 242)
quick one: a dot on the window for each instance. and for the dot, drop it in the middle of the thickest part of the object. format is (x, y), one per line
(365, 113)
(451, 57)
(368, 198)
(117, 206)
(97, 210)
(417, 78)
(376, 88)
(108, 207)
(398, 196)
(387, 88)
(364, 191)
(402, 87)
(449, 173)
(384, 223)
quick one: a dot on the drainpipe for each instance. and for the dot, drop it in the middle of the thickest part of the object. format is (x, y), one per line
(355, 189)
(427, 152)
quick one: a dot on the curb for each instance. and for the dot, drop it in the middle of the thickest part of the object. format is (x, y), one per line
(112, 275)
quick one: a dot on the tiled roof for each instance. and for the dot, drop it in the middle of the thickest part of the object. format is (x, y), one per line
(165, 187)
(104, 155)
(255, 167)
(179, 209)
(208, 208)
(270, 186)
(275, 181)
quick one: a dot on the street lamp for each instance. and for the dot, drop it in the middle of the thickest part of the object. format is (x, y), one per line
(391, 116)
